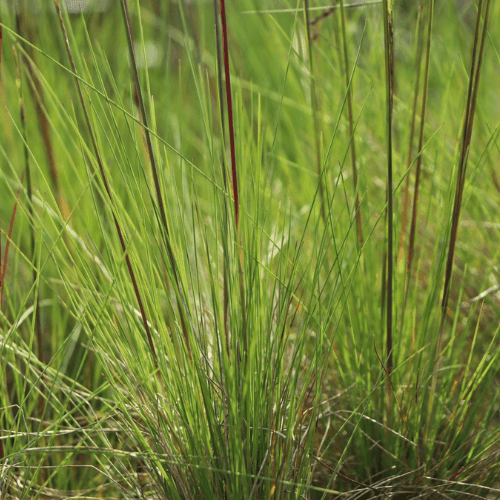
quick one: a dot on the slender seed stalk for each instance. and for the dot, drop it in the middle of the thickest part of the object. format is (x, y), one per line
(19, 82)
(3, 263)
(107, 187)
(223, 166)
(475, 72)
(142, 109)
(359, 220)
(154, 168)
(389, 71)
(483, 11)
(220, 85)
(25, 28)
(420, 138)
(314, 105)
(27, 170)
(229, 102)
(406, 195)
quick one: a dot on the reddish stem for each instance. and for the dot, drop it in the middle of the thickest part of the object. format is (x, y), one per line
(229, 110)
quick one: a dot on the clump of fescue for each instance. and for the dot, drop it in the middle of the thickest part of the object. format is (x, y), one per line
(244, 275)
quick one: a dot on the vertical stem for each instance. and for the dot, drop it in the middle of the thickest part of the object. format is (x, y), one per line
(26, 29)
(219, 86)
(475, 70)
(38, 327)
(406, 196)
(154, 168)
(234, 170)
(224, 168)
(230, 111)
(476, 62)
(314, 105)
(389, 73)
(420, 139)
(359, 221)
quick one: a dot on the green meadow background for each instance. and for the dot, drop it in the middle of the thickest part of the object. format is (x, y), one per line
(249, 250)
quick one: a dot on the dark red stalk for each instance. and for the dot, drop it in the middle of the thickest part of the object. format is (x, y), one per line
(234, 171)
(156, 177)
(3, 268)
(223, 165)
(221, 92)
(230, 110)
(475, 71)
(476, 62)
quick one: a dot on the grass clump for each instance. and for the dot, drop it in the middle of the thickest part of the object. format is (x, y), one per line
(248, 251)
